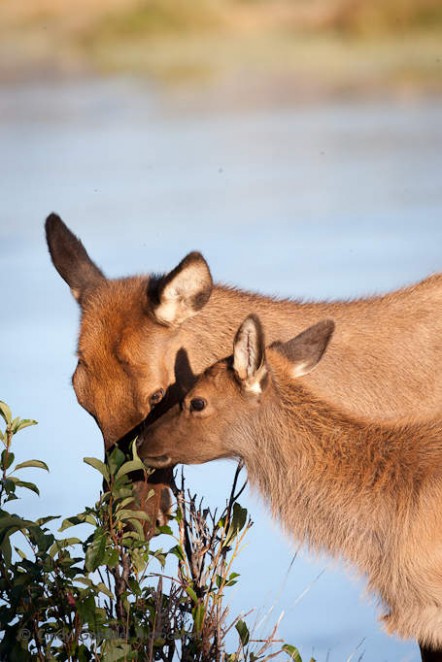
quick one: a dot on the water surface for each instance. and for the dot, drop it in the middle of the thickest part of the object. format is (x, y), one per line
(314, 201)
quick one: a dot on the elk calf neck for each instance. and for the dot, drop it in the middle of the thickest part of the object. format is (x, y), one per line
(368, 493)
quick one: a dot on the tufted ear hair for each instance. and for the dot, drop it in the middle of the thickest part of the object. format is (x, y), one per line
(182, 292)
(306, 350)
(249, 355)
(70, 258)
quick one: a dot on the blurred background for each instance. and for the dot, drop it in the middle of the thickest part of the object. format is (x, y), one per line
(296, 143)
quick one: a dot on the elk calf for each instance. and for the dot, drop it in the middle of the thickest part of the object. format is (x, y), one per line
(369, 493)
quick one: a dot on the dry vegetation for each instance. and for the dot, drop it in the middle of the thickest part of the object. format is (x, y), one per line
(346, 41)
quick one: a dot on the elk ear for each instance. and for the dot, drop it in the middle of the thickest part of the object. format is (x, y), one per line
(70, 257)
(306, 350)
(249, 355)
(183, 292)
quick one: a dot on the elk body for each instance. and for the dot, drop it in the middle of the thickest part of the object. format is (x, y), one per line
(369, 493)
(145, 337)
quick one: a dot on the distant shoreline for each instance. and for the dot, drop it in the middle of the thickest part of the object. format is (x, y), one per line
(285, 66)
(294, 50)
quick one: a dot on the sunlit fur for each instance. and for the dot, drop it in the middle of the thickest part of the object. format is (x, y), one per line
(368, 493)
(371, 494)
(383, 362)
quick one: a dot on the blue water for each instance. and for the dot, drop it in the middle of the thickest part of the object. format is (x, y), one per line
(316, 201)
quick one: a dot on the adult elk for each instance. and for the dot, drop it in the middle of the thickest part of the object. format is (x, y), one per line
(371, 493)
(147, 336)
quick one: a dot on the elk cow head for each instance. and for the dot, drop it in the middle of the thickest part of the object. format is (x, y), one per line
(126, 360)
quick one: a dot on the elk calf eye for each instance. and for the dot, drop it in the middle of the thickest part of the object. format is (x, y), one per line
(156, 397)
(197, 404)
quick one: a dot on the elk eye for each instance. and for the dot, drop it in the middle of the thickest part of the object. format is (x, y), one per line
(197, 404)
(156, 397)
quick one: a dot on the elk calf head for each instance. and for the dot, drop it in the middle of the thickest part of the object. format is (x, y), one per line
(215, 417)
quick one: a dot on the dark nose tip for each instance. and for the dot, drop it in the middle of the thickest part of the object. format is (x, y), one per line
(141, 431)
(125, 443)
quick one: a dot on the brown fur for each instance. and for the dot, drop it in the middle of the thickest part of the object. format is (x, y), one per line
(370, 493)
(381, 364)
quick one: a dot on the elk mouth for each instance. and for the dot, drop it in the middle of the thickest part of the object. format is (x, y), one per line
(157, 461)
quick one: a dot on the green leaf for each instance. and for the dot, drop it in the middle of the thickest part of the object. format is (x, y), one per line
(40, 538)
(59, 545)
(9, 488)
(293, 652)
(229, 581)
(13, 521)
(136, 524)
(237, 523)
(178, 552)
(243, 632)
(95, 553)
(133, 448)
(78, 519)
(6, 551)
(111, 557)
(43, 520)
(239, 518)
(99, 466)
(18, 424)
(13, 424)
(5, 412)
(132, 465)
(160, 556)
(36, 464)
(121, 489)
(24, 423)
(104, 589)
(7, 458)
(115, 459)
(116, 651)
(130, 536)
(87, 609)
(125, 514)
(125, 502)
(26, 484)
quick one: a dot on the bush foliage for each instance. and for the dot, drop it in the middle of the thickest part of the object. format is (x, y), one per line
(111, 596)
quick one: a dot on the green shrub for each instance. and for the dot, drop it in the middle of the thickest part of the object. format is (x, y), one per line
(107, 597)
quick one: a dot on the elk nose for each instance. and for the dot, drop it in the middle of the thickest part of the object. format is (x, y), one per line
(142, 443)
(125, 443)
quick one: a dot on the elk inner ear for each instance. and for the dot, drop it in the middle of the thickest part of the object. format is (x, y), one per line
(70, 258)
(306, 350)
(181, 293)
(249, 355)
